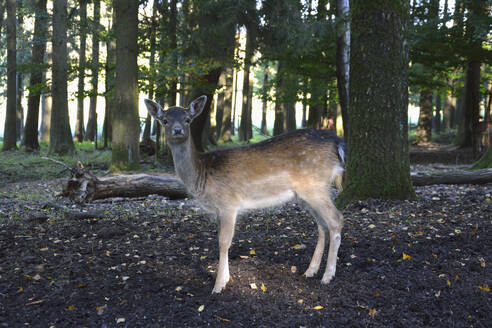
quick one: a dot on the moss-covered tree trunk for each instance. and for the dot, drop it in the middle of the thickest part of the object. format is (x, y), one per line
(424, 127)
(126, 127)
(378, 161)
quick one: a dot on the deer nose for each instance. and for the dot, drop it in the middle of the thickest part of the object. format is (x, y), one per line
(178, 131)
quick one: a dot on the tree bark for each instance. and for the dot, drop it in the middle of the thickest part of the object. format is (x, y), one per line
(424, 127)
(10, 128)
(437, 117)
(84, 186)
(91, 130)
(109, 80)
(458, 177)
(378, 161)
(36, 79)
(226, 126)
(246, 128)
(153, 30)
(343, 59)
(79, 123)
(126, 127)
(264, 127)
(60, 136)
(278, 124)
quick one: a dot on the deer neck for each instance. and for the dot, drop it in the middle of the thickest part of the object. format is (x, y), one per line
(188, 166)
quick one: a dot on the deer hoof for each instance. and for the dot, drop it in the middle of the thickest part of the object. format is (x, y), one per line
(310, 272)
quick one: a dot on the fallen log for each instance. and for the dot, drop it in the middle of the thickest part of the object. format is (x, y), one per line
(455, 177)
(84, 186)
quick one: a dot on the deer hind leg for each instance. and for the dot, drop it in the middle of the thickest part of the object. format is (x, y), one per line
(227, 221)
(328, 217)
(318, 253)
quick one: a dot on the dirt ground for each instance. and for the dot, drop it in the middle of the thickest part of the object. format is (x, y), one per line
(151, 262)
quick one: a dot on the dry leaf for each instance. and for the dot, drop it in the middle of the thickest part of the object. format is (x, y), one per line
(293, 269)
(448, 282)
(70, 308)
(485, 288)
(372, 312)
(300, 301)
(406, 257)
(263, 288)
(318, 307)
(252, 252)
(253, 286)
(201, 308)
(222, 319)
(244, 257)
(120, 320)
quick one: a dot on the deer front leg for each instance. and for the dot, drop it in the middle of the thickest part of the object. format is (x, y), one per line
(226, 232)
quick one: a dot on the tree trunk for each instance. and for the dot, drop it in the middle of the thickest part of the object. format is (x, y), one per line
(378, 161)
(126, 127)
(91, 130)
(343, 59)
(289, 103)
(226, 126)
(469, 128)
(198, 127)
(60, 136)
(424, 127)
(437, 117)
(79, 123)
(109, 80)
(316, 103)
(264, 127)
(278, 125)
(10, 129)
(46, 100)
(245, 127)
(219, 112)
(36, 79)
(153, 30)
(19, 115)
(173, 45)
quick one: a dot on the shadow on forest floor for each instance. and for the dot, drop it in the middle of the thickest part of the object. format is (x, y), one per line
(150, 262)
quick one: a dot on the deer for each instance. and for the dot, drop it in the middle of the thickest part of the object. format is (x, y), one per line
(303, 165)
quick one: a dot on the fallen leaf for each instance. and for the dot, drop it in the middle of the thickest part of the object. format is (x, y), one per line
(201, 308)
(485, 288)
(300, 301)
(263, 288)
(81, 285)
(372, 312)
(36, 277)
(406, 257)
(377, 294)
(44, 249)
(318, 307)
(448, 282)
(293, 269)
(252, 252)
(244, 257)
(253, 286)
(222, 319)
(120, 320)
(70, 308)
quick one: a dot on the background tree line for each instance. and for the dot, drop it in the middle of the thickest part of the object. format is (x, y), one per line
(296, 57)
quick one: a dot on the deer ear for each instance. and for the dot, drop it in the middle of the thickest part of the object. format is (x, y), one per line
(197, 106)
(154, 108)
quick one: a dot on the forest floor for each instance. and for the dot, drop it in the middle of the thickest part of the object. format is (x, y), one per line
(150, 262)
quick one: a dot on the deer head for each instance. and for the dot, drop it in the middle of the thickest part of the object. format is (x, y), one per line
(176, 120)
